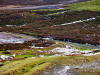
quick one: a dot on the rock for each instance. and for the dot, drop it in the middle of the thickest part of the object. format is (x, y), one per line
(13, 55)
(32, 50)
(96, 51)
(4, 57)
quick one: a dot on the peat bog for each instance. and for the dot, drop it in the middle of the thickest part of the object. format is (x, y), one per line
(58, 40)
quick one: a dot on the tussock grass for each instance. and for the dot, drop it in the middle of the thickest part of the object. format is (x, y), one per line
(23, 66)
(37, 70)
(32, 66)
(48, 10)
(16, 68)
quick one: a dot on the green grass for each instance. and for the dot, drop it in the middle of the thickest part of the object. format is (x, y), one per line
(48, 10)
(32, 66)
(22, 66)
(93, 5)
(37, 70)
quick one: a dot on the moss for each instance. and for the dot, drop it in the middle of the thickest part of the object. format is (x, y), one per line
(43, 10)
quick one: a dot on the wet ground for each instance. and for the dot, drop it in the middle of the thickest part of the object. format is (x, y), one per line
(83, 69)
(84, 46)
(14, 38)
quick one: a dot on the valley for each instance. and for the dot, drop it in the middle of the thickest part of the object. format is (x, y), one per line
(49, 37)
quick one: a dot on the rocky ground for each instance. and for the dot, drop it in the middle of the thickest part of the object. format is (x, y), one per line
(75, 70)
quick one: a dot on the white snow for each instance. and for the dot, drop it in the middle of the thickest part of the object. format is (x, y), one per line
(4, 57)
(64, 70)
(14, 38)
(10, 25)
(89, 54)
(11, 40)
(33, 46)
(80, 21)
(71, 51)
(65, 51)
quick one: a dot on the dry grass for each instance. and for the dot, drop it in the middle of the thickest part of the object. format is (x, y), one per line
(31, 65)
(37, 70)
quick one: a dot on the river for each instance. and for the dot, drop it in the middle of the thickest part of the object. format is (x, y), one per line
(83, 69)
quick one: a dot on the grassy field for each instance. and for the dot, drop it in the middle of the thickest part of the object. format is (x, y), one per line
(39, 23)
(93, 5)
(35, 66)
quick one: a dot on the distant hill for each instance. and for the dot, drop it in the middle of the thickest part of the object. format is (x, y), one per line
(28, 2)
(19, 2)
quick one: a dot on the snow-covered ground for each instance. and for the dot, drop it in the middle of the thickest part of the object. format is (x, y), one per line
(79, 21)
(70, 51)
(14, 38)
(65, 51)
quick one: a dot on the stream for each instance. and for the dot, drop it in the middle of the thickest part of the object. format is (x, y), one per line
(60, 70)
(82, 69)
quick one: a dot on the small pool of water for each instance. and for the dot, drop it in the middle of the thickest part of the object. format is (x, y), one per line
(83, 69)
(60, 70)
(14, 38)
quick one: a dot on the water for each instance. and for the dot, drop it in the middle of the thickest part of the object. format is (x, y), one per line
(82, 69)
(60, 70)
(14, 38)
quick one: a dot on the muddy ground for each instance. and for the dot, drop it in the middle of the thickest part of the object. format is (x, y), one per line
(10, 41)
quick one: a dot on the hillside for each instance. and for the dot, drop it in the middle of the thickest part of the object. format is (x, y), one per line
(92, 5)
(50, 39)
(28, 2)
